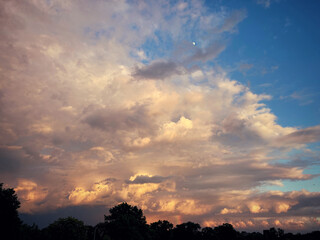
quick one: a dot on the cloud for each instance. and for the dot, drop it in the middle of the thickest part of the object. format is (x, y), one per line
(245, 67)
(231, 21)
(302, 136)
(82, 196)
(31, 194)
(122, 119)
(304, 97)
(141, 179)
(157, 70)
(208, 53)
(172, 131)
(76, 129)
(11, 158)
(264, 3)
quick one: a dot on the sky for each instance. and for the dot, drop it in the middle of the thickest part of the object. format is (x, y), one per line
(203, 111)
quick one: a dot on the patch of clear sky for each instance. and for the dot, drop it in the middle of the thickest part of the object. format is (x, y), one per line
(282, 44)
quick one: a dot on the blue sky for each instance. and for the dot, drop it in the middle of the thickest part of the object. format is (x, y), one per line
(280, 46)
(204, 111)
(281, 43)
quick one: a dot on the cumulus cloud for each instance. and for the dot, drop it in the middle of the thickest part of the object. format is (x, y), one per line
(76, 129)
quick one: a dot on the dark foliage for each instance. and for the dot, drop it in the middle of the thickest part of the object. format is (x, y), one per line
(9, 219)
(126, 222)
(161, 230)
(187, 231)
(209, 234)
(226, 231)
(65, 229)
(28, 232)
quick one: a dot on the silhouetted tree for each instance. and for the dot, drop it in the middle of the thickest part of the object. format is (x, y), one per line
(273, 233)
(209, 234)
(89, 232)
(280, 233)
(65, 229)
(313, 235)
(126, 222)
(99, 232)
(161, 230)
(254, 236)
(9, 219)
(226, 231)
(187, 231)
(28, 232)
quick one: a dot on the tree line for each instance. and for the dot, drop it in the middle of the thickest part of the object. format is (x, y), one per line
(124, 222)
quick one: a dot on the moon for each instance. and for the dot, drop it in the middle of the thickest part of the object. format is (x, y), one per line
(194, 43)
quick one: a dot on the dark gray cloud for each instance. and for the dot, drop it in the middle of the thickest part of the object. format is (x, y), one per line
(235, 175)
(305, 160)
(11, 159)
(237, 132)
(308, 201)
(157, 70)
(123, 119)
(302, 136)
(14, 159)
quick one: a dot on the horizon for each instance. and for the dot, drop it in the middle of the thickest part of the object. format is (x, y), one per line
(202, 111)
(44, 220)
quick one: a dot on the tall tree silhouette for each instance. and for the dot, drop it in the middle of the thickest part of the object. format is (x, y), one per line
(126, 222)
(9, 219)
(187, 231)
(161, 230)
(226, 231)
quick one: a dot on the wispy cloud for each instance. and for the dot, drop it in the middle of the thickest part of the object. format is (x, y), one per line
(231, 21)
(303, 97)
(264, 3)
